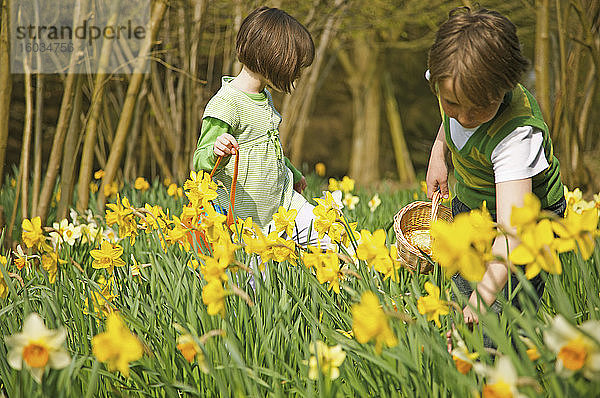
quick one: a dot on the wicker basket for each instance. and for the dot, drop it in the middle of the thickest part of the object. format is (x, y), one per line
(411, 225)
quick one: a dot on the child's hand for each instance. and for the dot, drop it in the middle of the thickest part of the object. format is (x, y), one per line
(225, 145)
(437, 176)
(470, 316)
(300, 185)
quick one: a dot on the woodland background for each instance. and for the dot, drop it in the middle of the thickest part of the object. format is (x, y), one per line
(363, 108)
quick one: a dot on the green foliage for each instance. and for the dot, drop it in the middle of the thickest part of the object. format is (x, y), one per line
(265, 347)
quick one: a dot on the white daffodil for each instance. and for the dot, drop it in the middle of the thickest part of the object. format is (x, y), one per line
(463, 359)
(374, 202)
(37, 347)
(337, 199)
(350, 201)
(501, 379)
(326, 359)
(71, 234)
(57, 235)
(576, 348)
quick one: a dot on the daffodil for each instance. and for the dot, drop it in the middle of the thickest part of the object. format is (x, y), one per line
(21, 259)
(101, 301)
(324, 218)
(212, 223)
(111, 189)
(141, 184)
(463, 359)
(370, 322)
(37, 348)
(200, 189)
(372, 245)
(32, 233)
(320, 169)
(334, 185)
(536, 250)
(99, 174)
(108, 256)
(577, 230)
(526, 216)
(326, 359)
(50, 262)
(179, 234)
(71, 234)
(285, 220)
(347, 184)
(3, 285)
(213, 296)
(501, 380)
(242, 229)
(431, 305)
(374, 202)
(328, 270)
(121, 213)
(350, 201)
(117, 346)
(576, 348)
(191, 350)
(93, 187)
(213, 270)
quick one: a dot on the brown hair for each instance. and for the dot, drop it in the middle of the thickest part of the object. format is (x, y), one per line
(274, 44)
(480, 51)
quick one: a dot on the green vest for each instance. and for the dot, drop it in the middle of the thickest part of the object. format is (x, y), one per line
(473, 167)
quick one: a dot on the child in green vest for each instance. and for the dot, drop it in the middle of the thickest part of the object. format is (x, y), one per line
(240, 119)
(493, 127)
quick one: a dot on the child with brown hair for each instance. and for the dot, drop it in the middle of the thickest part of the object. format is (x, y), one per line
(241, 119)
(493, 127)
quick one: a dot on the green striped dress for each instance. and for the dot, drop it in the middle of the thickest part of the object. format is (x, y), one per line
(265, 181)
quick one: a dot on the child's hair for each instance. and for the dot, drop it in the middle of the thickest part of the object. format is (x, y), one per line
(480, 51)
(274, 44)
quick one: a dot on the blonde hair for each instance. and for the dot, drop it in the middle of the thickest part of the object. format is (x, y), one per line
(274, 44)
(480, 51)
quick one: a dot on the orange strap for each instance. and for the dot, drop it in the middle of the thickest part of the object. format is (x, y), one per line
(233, 185)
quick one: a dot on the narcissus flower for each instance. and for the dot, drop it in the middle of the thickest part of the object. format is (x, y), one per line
(37, 347)
(108, 256)
(320, 169)
(463, 359)
(575, 350)
(347, 184)
(536, 250)
(370, 322)
(111, 189)
(577, 230)
(285, 220)
(527, 216)
(117, 346)
(141, 184)
(99, 174)
(3, 285)
(326, 359)
(213, 296)
(431, 305)
(374, 202)
(191, 350)
(501, 379)
(32, 233)
(350, 201)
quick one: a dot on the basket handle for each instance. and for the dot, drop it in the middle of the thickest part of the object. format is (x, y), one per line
(233, 185)
(435, 204)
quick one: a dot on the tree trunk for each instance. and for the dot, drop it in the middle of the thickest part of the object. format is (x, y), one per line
(118, 146)
(91, 129)
(26, 144)
(303, 100)
(365, 90)
(61, 126)
(542, 57)
(72, 141)
(5, 85)
(406, 171)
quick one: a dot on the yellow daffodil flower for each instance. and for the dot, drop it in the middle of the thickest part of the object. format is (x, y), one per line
(50, 262)
(575, 351)
(200, 189)
(285, 220)
(372, 245)
(527, 216)
(334, 185)
(431, 305)
(536, 250)
(121, 213)
(117, 346)
(370, 322)
(242, 229)
(37, 347)
(320, 169)
(347, 184)
(191, 350)
(326, 359)
(32, 233)
(108, 256)
(577, 230)
(213, 296)
(141, 184)
(212, 223)
(99, 174)
(111, 189)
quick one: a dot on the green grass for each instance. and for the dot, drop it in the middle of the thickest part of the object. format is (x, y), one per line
(266, 346)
